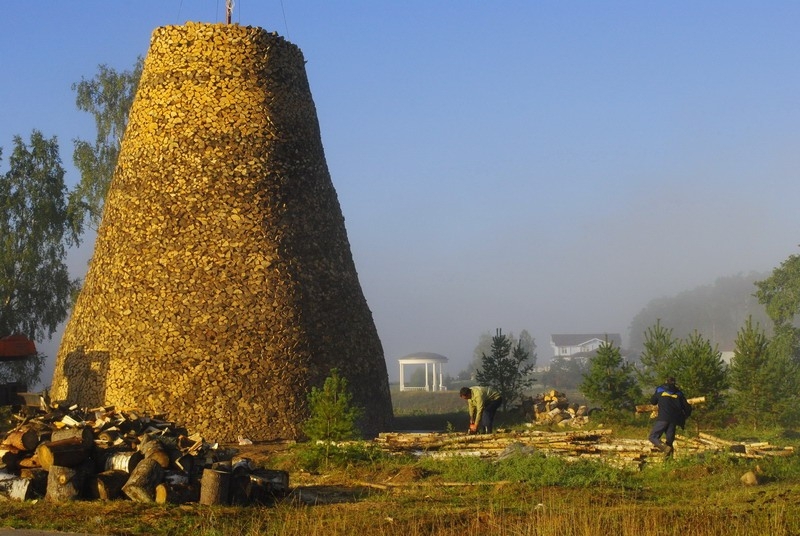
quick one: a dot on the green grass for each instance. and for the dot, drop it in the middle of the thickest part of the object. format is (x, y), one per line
(360, 491)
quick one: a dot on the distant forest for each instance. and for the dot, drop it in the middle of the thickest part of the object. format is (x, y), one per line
(716, 311)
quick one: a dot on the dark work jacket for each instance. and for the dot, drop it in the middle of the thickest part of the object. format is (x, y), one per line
(672, 404)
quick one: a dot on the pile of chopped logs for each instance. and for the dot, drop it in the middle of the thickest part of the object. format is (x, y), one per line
(67, 454)
(553, 407)
(223, 224)
(573, 445)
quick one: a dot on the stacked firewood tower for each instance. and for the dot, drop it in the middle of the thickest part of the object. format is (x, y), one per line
(222, 286)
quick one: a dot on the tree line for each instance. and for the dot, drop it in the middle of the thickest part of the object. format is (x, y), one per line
(757, 388)
(41, 219)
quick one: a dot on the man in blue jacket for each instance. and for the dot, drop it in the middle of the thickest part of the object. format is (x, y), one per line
(673, 409)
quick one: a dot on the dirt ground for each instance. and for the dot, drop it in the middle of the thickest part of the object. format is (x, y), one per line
(259, 451)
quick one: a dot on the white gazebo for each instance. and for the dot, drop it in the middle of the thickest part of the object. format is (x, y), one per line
(433, 379)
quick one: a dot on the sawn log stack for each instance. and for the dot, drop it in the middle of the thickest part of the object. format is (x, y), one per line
(107, 454)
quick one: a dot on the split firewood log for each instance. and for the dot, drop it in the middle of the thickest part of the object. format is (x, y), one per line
(177, 493)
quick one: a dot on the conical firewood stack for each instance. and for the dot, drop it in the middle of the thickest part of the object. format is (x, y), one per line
(222, 286)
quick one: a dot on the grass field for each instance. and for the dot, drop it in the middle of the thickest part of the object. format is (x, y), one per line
(364, 491)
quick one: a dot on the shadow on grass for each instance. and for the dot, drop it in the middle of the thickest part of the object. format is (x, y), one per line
(448, 422)
(437, 422)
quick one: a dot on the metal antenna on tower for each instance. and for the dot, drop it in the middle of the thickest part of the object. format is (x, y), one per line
(228, 10)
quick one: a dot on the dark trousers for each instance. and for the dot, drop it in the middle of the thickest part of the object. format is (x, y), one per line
(665, 428)
(487, 418)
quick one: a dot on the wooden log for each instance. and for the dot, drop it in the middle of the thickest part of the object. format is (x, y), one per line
(121, 460)
(272, 481)
(154, 449)
(214, 487)
(38, 481)
(69, 452)
(162, 493)
(11, 457)
(22, 438)
(108, 437)
(64, 483)
(649, 408)
(84, 434)
(15, 488)
(141, 485)
(29, 462)
(107, 485)
(177, 493)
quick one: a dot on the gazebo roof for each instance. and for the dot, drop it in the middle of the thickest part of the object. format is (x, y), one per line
(424, 357)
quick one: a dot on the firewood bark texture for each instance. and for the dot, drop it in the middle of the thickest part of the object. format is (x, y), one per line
(222, 285)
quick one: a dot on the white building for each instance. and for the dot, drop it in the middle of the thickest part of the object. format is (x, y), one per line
(581, 344)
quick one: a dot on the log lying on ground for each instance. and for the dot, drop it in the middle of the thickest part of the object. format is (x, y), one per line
(15, 488)
(153, 449)
(22, 438)
(574, 445)
(69, 452)
(107, 485)
(141, 485)
(84, 434)
(118, 442)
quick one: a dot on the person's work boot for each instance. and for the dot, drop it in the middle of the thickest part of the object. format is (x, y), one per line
(668, 450)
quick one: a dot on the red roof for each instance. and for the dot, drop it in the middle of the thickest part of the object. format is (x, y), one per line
(16, 347)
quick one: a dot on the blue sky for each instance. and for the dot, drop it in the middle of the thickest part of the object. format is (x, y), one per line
(548, 166)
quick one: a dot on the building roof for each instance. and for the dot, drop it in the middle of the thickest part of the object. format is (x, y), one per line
(578, 339)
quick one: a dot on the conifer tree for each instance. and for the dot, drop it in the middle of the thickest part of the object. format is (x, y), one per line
(762, 379)
(509, 371)
(700, 371)
(333, 416)
(658, 346)
(751, 375)
(609, 380)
